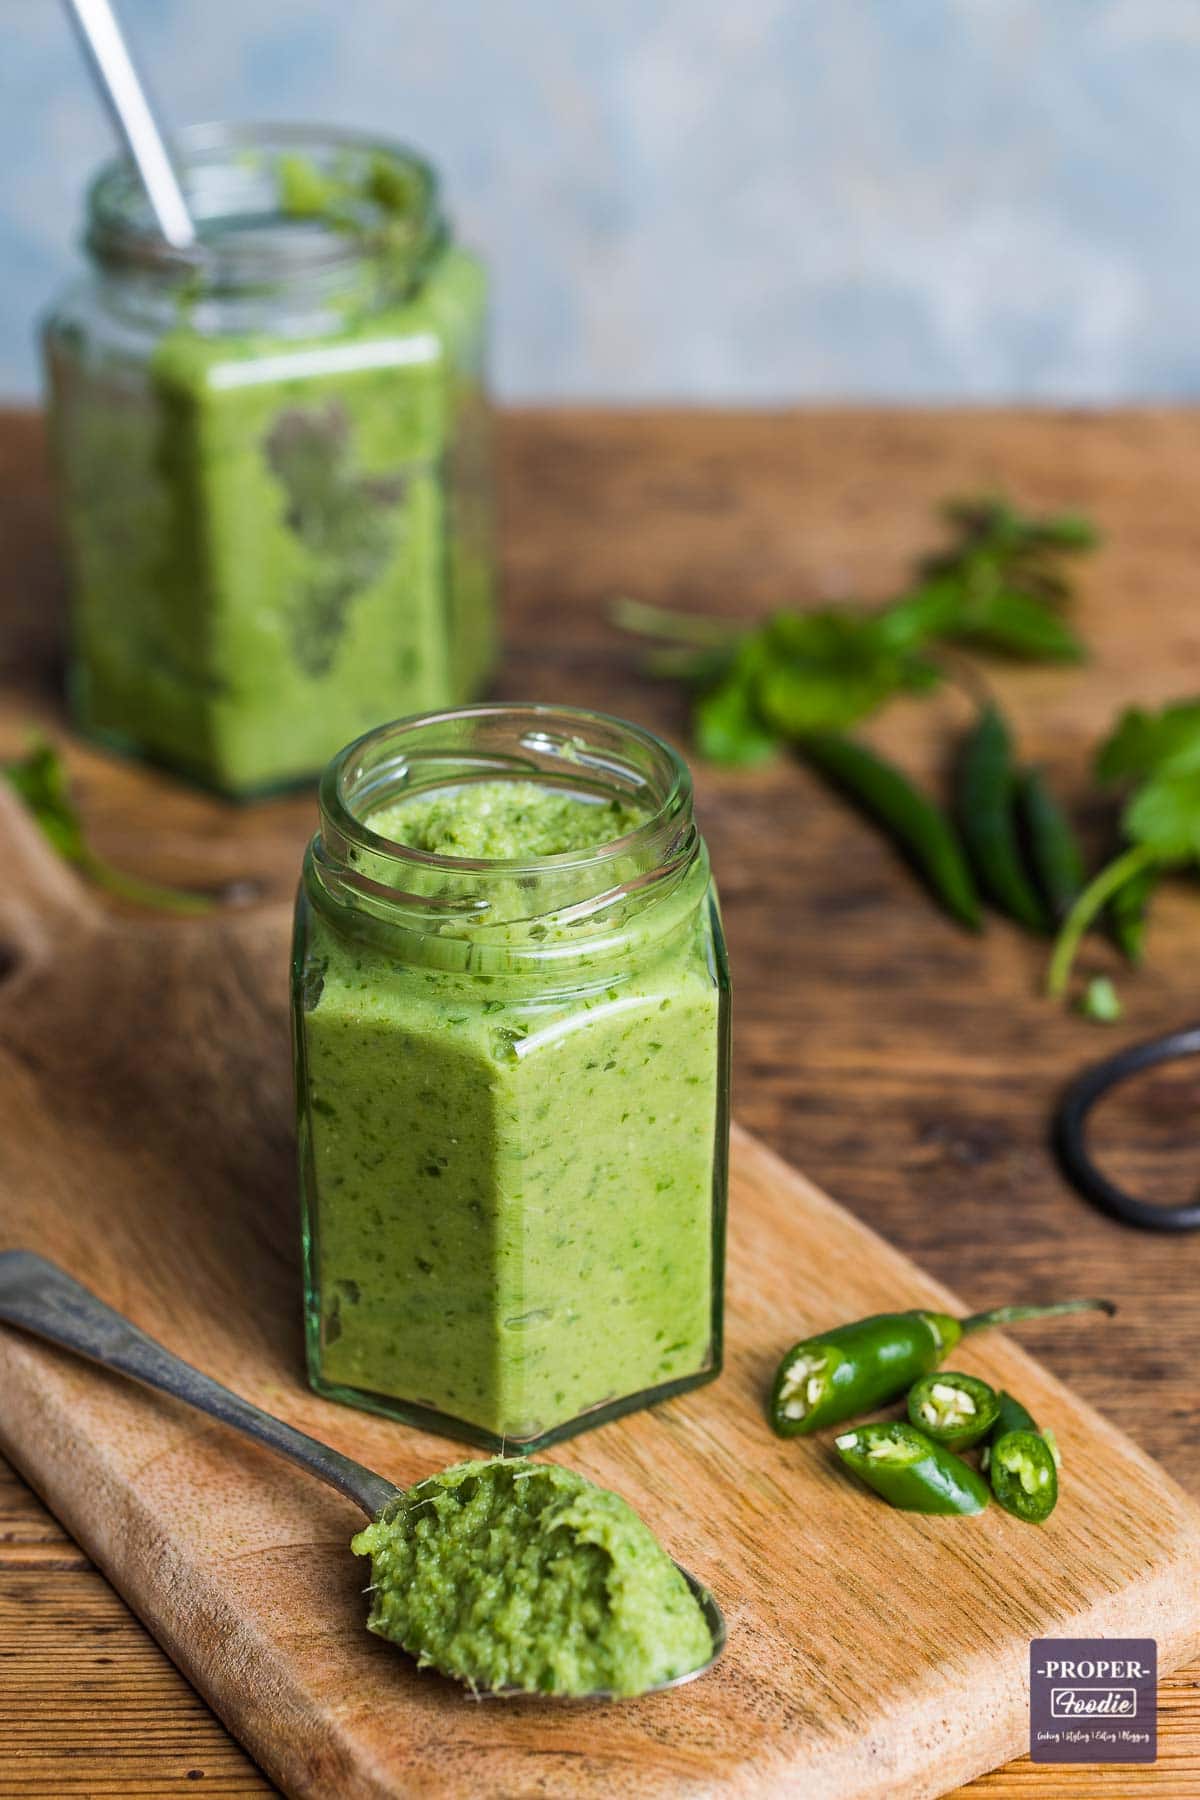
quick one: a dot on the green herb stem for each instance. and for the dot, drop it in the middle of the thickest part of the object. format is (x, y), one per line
(142, 893)
(642, 620)
(40, 782)
(965, 675)
(1088, 907)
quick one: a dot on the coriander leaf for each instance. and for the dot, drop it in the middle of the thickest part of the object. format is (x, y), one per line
(1164, 815)
(824, 670)
(1069, 532)
(990, 520)
(1127, 913)
(40, 781)
(995, 585)
(725, 719)
(1160, 753)
(1005, 567)
(727, 727)
(1019, 625)
(844, 642)
(798, 698)
(931, 611)
(1145, 743)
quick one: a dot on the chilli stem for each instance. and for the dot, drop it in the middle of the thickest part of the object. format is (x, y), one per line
(1013, 1315)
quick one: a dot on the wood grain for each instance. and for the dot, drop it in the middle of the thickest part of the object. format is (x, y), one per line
(146, 1746)
(908, 1071)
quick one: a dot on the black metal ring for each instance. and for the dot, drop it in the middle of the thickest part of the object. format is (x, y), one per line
(1070, 1126)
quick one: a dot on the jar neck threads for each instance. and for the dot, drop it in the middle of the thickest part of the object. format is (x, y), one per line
(535, 907)
(297, 227)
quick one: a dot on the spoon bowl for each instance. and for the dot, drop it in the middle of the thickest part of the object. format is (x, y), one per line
(39, 1297)
(714, 1618)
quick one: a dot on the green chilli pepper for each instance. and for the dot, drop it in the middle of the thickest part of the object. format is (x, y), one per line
(1054, 854)
(920, 829)
(907, 1469)
(953, 1409)
(987, 820)
(854, 1368)
(1022, 1463)
(1011, 1416)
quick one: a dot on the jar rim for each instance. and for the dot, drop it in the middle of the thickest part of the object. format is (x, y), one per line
(121, 231)
(672, 804)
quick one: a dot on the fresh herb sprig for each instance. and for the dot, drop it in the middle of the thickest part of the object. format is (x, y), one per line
(40, 780)
(800, 679)
(999, 585)
(1155, 757)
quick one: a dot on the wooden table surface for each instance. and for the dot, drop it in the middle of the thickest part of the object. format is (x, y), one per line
(908, 1069)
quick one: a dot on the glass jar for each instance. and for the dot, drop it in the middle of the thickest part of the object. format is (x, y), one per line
(273, 457)
(512, 1079)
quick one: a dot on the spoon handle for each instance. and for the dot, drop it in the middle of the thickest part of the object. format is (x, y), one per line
(41, 1298)
(127, 100)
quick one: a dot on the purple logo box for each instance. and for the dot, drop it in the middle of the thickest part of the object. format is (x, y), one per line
(1093, 1700)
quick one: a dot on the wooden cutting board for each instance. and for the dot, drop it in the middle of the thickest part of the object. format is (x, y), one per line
(145, 1143)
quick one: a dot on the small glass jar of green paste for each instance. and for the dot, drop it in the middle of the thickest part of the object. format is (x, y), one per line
(273, 457)
(511, 1007)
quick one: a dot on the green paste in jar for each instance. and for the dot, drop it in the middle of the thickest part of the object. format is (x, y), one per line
(525, 1575)
(279, 534)
(514, 1188)
(501, 821)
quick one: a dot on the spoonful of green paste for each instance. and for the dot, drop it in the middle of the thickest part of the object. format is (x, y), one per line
(523, 1577)
(515, 1577)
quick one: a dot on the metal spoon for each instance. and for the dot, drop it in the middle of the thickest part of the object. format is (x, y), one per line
(41, 1298)
(125, 95)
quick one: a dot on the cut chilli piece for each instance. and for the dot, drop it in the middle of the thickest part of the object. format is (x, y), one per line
(1022, 1464)
(910, 1471)
(953, 1409)
(843, 1373)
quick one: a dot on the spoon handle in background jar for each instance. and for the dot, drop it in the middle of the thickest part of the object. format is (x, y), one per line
(41, 1298)
(127, 100)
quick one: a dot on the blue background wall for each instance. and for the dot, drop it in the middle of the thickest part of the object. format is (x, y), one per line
(716, 199)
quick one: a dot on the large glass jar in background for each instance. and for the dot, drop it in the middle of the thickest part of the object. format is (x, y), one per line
(273, 457)
(512, 1078)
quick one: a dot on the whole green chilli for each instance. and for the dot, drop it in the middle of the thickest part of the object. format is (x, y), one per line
(852, 1369)
(987, 820)
(1055, 857)
(907, 1469)
(912, 820)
